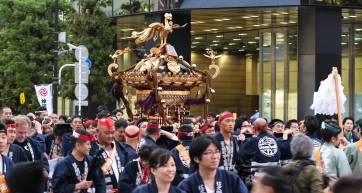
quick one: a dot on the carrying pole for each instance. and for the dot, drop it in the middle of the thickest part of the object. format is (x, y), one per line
(338, 96)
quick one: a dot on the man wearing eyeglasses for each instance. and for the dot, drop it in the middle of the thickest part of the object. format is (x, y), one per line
(205, 156)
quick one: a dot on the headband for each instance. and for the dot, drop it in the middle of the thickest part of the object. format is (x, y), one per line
(84, 137)
(133, 135)
(13, 125)
(89, 122)
(185, 134)
(205, 127)
(153, 126)
(330, 127)
(106, 122)
(225, 116)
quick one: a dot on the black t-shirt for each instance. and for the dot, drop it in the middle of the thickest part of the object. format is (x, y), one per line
(80, 165)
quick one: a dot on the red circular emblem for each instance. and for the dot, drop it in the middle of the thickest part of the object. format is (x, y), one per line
(43, 92)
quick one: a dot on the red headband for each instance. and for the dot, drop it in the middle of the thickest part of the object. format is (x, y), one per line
(89, 122)
(13, 125)
(205, 127)
(106, 122)
(84, 137)
(225, 116)
(185, 134)
(153, 126)
(133, 135)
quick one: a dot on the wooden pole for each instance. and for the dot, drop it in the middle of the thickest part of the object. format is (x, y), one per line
(206, 108)
(207, 95)
(338, 98)
(178, 115)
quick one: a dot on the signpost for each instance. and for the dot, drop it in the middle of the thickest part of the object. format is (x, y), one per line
(81, 75)
(81, 90)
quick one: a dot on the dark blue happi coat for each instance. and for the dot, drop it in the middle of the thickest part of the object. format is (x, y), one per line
(224, 162)
(284, 147)
(33, 152)
(119, 152)
(40, 139)
(110, 176)
(64, 178)
(7, 164)
(17, 154)
(261, 150)
(49, 141)
(317, 141)
(152, 188)
(149, 141)
(66, 144)
(182, 172)
(166, 143)
(225, 182)
(130, 177)
(128, 152)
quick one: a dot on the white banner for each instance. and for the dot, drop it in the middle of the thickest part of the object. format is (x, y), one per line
(45, 96)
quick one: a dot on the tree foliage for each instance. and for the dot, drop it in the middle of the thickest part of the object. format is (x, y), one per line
(135, 6)
(92, 28)
(351, 2)
(26, 41)
(27, 48)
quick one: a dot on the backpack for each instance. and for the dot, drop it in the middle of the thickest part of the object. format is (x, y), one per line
(293, 174)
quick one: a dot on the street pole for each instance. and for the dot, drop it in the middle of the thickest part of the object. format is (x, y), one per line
(79, 80)
(55, 61)
(149, 5)
(112, 7)
(60, 74)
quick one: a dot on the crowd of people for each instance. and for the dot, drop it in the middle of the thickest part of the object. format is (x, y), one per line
(221, 154)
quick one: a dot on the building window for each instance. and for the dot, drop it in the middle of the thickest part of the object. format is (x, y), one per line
(345, 66)
(352, 68)
(278, 74)
(292, 83)
(358, 73)
(266, 63)
(280, 64)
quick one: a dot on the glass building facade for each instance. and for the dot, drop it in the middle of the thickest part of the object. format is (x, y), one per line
(278, 98)
(263, 55)
(352, 61)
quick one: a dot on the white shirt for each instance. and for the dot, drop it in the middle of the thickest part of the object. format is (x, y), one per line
(114, 165)
(1, 165)
(208, 190)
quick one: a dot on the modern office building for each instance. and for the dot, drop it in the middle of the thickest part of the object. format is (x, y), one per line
(274, 52)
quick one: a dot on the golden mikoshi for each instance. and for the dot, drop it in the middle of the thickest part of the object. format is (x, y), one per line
(163, 79)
